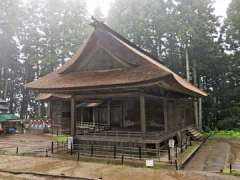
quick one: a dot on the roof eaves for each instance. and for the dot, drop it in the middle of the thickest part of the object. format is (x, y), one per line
(189, 86)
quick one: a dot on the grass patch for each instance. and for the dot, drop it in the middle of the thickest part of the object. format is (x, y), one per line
(234, 172)
(60, 138)
(224, 134)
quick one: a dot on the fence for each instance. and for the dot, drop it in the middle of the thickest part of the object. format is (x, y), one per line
(171, 156)
(96, 127)
(31, 151)
(115, 152)
(42, 151)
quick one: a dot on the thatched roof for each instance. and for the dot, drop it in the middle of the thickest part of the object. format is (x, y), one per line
(109, 60)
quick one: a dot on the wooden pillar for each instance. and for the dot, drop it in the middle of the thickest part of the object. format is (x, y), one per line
(142, 114)
(81, 115)
(123, 114)
(179, 138)
(49, 113)
(200, 113)
(200, 108)
(165, 112)
(39, 109)
(93, 116)
(196, 112)
(109, 112)
(73, 123)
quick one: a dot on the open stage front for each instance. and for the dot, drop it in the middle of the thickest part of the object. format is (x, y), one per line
(135, 118)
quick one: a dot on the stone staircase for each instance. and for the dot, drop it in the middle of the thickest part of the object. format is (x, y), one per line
(195, 134)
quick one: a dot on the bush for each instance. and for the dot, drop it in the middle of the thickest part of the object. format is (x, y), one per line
(60, 138)
(228, 123)
(225, 134)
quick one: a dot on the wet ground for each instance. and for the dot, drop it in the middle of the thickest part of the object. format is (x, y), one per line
(25, 140)
(213, 151)
(211, 157)
(93, 170)
(235, 151)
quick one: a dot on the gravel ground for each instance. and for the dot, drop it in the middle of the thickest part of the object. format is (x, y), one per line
(56, 166)
(94, 170)
(8, 176)
(25, 140)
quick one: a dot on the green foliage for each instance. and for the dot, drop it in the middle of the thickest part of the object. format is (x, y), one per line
(232, 25)
(228, 123)
(151, 25)
(36, 37)
(60, 138)
(166, 28)
(233, 134)
(234, 172)
(230, 118)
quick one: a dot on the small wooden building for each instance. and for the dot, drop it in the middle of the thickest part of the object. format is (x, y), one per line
(10, 123)
(112, 91)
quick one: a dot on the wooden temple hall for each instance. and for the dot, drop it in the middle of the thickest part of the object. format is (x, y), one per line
(111, 91)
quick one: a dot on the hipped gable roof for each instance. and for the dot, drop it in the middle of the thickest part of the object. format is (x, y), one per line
(136, 67)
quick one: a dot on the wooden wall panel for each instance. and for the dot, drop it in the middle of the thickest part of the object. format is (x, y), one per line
(180, 114)
(60, 115)
(154, 114)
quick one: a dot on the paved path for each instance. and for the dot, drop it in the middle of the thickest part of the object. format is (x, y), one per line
(211, 157)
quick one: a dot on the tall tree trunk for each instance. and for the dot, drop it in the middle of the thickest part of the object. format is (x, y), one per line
(5, 89)
(1, 81)
(26, 97)
(5, 92)
(196, 110)
(11, 96)
(187, 64)
(39, 103)
(195, 82)
(200, 112)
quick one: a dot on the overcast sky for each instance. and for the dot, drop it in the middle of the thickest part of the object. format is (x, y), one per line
(220, 6)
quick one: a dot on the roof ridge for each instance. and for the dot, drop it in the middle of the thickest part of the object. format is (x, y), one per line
(107, 35)
(96, 23)
(99, 24)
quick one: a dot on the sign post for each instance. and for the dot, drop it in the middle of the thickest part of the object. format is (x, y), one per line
(70, 142)
(171, 144)
(149, 163)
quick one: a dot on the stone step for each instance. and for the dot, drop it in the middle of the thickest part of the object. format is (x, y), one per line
(195, 134)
